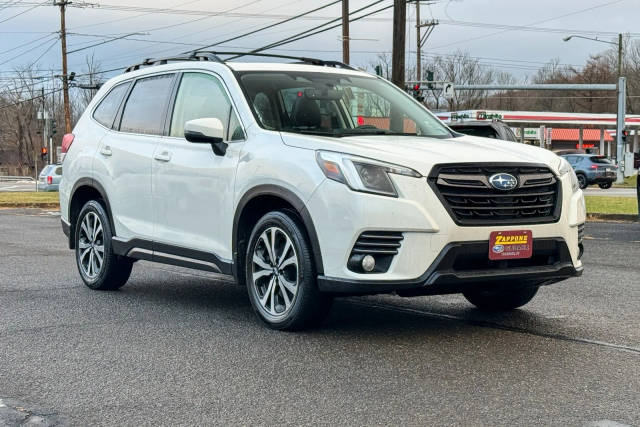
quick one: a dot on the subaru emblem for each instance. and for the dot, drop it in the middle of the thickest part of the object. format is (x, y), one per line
(503, 181)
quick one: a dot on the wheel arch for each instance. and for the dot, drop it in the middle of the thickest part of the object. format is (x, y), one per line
(83, 190)
(258, 201)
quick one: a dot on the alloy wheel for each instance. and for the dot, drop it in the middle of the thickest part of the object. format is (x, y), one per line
(275, 272)
(91, 245)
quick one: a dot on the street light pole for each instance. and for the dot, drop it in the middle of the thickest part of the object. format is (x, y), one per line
(620, 116)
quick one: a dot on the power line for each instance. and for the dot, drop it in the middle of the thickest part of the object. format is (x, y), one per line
(529, 25)
(24, 11)
(132, 17)
(287, 41)
(309, 32)
(272, 25)
(15, 104)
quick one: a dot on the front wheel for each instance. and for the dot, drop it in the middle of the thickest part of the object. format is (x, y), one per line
(605, 185)
(500, 300)
(280, 274)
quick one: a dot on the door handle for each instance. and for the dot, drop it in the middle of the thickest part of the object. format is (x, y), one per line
(165, 156)
(106, 151)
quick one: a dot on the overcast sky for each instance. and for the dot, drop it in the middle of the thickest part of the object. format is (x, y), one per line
(469, 25)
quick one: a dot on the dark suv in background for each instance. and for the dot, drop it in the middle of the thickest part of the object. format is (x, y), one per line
(495, 129)
(592, 169)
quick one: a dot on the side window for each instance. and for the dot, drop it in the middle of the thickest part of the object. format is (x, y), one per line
(144, 111)
(202, 96)
(106, 111)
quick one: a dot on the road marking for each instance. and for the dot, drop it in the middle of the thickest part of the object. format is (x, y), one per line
(487, 324)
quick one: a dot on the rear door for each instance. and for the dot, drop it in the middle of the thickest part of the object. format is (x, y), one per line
(193, 187)
(127, 152)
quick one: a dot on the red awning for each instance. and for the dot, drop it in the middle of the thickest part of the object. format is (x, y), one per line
(591, 135)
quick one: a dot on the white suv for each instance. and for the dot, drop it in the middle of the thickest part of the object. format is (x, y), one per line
(307, 181)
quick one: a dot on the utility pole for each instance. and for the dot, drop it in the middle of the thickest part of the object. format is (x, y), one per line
(418, 43)
(345, 31)
(619, 55)
(65, 78)
(397, 56)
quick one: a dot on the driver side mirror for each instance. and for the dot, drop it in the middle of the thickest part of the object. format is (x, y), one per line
(206, 131)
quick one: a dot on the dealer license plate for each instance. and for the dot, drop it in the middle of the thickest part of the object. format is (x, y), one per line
(510, 244)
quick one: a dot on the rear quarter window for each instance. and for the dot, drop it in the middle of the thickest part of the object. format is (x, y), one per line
(106, 111)
(601, 160)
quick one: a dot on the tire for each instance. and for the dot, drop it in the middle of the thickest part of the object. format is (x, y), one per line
(114, 271)
(500, 300)
(582, 181)
(605, 185)
(284, 292)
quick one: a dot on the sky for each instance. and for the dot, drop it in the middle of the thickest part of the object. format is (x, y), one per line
(483, 28)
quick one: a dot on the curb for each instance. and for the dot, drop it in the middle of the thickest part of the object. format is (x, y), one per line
(30, 205)
(612, 217)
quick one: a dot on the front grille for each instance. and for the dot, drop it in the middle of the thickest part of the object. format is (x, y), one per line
(470, 199)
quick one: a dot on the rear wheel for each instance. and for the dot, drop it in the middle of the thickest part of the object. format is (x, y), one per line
(605, 185)
(280, 274)
(582, 180)
(499, 300)
(99, 267)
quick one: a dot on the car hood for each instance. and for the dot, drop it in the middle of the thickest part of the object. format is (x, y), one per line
(422, 153)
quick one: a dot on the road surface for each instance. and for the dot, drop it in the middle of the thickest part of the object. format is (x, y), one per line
(182, 347)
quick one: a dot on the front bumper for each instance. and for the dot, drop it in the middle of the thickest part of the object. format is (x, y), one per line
(465, 264)
(429, 235)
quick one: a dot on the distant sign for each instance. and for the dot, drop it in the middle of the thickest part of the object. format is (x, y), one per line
(448, 91)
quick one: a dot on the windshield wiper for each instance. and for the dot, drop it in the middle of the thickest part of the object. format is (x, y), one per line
(367, 131)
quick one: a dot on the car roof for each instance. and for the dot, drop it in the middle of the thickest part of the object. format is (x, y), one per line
(474, 123)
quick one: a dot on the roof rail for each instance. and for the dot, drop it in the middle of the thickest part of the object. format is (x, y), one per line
(301, 59)
(195, 56)
(210, 55)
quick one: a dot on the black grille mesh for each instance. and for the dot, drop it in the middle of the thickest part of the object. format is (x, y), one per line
(471, 200)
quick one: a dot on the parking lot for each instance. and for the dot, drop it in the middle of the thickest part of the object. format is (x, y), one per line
(180, 347)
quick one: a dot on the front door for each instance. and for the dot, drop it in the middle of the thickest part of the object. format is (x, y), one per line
(192, 187)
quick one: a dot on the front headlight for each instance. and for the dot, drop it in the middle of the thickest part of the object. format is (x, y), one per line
(565, 168)
(360, 173)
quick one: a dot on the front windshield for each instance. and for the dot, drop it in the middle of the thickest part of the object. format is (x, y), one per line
(335, 105)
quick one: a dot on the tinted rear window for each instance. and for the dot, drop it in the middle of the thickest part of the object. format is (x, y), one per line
(108, 108)
(145, 111)
(600, 159)
(484, 131)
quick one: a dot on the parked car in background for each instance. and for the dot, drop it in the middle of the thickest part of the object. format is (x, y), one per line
(592, 169)
(49, 178)
(495, 129)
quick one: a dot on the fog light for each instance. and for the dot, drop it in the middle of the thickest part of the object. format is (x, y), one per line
(368, 263)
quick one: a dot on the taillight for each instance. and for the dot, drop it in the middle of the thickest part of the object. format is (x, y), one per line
(594, 166)
(49, 180)
(67, 140)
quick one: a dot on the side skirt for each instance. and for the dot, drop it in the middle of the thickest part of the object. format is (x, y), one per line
(169, 254)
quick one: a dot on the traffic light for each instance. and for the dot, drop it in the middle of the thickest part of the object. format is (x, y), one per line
(417, 93)
(54, 129)
(430, 79)
(43, 153)
(379, 70)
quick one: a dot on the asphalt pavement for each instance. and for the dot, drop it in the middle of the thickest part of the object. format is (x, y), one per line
(17, 186)
(181, 347)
